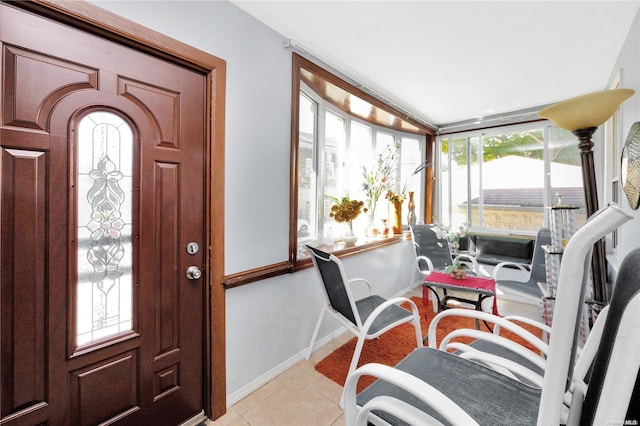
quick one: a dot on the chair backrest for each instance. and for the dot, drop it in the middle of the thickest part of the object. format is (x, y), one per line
(427, 243)
(613, 394)
(332, 276)
(538, 268)
(565, 330)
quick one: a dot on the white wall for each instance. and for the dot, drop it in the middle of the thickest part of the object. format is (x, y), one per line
(258, 118)
(269, 323)
(628, 65)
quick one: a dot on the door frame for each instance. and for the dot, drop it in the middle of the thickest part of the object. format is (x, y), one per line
(95, 20)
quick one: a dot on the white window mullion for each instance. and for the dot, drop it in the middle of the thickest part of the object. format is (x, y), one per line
(320, 170)
(450, 191)
(480, 194)
(548, 196)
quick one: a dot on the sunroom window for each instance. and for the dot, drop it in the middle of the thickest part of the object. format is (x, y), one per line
(504, 180)
(334, 148)
(337, 129)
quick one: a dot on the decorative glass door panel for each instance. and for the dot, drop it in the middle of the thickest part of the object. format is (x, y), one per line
(104, 227)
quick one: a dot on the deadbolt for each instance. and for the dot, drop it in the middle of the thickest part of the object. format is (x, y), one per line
(192, 248)
(193, 273)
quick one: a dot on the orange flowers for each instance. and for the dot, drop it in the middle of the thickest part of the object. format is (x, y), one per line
(346, 209)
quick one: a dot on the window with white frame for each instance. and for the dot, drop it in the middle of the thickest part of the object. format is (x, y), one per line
(333, 149)
(504, 179)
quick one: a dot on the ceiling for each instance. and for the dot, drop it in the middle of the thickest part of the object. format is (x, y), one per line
(450, 61)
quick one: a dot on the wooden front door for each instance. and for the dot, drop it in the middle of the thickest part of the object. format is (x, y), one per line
(102, 179)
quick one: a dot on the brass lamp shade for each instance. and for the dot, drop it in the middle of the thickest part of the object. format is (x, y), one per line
(586, 111)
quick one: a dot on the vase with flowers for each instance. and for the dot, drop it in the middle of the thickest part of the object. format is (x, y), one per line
(457, 269)
(397, 199)
(395, 210)
(378, 178)
(452, 235)
(346, 210)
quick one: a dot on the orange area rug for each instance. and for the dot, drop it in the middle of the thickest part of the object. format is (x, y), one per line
(395, 344)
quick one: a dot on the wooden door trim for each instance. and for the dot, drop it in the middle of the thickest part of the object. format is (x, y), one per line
(96, 20)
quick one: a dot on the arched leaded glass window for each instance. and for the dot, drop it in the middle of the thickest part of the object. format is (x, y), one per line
(104, 227)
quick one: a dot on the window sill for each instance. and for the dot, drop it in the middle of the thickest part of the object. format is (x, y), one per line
(340, 250)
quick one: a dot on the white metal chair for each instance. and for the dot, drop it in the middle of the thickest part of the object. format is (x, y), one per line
(431, 386)
(526, 291)
(368, 317)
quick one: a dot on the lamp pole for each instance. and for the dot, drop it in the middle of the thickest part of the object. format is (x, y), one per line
(598, 266)
(581, 116)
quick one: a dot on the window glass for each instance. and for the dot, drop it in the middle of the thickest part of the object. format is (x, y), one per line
(455, 182)
(339, 135)
(498, 181)
(104, 233)
(411, 166)
(307, 210)
(360, 154)
(443, 212)
(566, 171)
(385, 147)
(512, 181)
(335, 173)
(348, 148)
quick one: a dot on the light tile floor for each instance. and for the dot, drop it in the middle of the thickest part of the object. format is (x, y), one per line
(303, 397)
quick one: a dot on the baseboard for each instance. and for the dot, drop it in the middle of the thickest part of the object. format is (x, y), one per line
(195, 420)
(258, 382)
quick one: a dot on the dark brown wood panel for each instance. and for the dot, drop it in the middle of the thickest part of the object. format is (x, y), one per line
(164, 103)
(37, 95)
(167, 221)
(24, 138)
(106, 391)
(23, 280)
(166, 381)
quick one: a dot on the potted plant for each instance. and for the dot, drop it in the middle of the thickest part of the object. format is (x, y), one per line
(457, 269)
(378, 178)
(346, 210)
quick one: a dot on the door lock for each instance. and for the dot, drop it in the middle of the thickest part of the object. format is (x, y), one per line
(192, 248)
(193, 273)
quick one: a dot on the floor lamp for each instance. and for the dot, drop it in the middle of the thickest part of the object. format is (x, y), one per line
(582, 116)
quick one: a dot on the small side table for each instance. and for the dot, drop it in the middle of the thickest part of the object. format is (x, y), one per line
(483, 287)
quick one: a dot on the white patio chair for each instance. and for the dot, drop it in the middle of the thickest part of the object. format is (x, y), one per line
(431, 386)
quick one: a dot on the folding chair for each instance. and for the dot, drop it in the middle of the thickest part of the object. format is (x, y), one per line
(431, 386)
(366, 318)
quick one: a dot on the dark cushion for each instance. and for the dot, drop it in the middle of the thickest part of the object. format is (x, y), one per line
(494, 249)
(527, 288)
(492, 259)
(504, 246)
(390, 315)
(468, 243)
